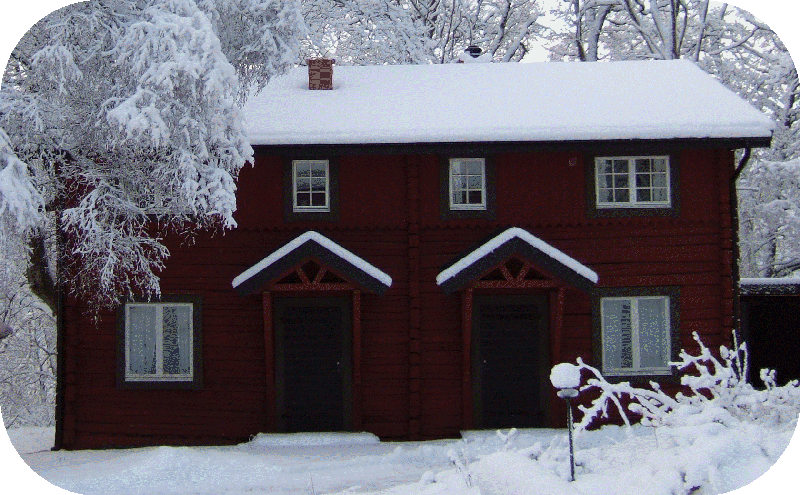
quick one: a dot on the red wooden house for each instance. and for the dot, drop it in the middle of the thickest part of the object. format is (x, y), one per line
(417, 246)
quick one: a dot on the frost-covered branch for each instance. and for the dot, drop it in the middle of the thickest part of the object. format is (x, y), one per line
(717, 392)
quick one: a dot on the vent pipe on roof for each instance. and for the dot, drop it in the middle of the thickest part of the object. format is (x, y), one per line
(320, 73)
(473, 54)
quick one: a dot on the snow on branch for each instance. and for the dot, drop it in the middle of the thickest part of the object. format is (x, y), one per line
(718, 393)
(20, 201)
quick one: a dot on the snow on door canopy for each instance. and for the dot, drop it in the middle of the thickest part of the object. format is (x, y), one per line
(505, 236)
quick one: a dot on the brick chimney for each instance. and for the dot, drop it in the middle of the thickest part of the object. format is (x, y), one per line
(320, 73)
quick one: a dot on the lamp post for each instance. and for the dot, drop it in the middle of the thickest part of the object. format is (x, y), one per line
(567, 394)
(567, 378)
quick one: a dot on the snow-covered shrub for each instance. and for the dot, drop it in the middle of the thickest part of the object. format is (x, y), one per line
(717, 393)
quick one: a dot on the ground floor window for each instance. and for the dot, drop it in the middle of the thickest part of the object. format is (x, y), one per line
(636, 334)
(160, 341)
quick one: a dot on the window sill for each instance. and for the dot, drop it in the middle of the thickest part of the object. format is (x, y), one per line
(614, 206)
(311, 210)
(468, 208)
(156, 384)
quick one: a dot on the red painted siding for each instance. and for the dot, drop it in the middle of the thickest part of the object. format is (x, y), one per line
(412, 377)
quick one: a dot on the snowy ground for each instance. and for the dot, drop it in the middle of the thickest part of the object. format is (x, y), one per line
(534, 462)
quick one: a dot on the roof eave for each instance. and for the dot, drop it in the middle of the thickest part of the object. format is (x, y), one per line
(327, 149)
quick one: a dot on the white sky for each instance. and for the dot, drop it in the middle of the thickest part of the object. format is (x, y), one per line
(17, 16)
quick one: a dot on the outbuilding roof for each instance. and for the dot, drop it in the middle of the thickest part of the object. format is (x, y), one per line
(502, 102)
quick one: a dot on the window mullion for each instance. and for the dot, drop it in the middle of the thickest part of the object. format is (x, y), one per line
(635, 333)
(159, 340)
(327, 185)
(632, 181)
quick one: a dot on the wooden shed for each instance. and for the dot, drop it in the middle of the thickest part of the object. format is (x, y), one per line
(770, 323)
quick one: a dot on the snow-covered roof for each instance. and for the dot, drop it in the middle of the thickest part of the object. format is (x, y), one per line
(301, 246)
(512, 102)
(770, 281)
(487, 249)
(769, 286)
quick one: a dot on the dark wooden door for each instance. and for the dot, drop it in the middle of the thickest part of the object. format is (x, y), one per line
(313, 364)
(511, 362)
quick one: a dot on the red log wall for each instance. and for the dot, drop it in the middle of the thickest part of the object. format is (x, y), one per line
(412, 379)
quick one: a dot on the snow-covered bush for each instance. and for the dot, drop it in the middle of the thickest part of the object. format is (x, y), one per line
(717, 393)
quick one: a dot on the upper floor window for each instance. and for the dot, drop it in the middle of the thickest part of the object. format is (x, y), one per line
(636, 335)
(310, 186)
(467, 184)
(632, 182)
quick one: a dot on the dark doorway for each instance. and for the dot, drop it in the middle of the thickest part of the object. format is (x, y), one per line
(510, 361)
(313, 364)
(771, 326)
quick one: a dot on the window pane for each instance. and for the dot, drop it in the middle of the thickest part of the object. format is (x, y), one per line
(642, 165)
(660, 180)
(605, 196)
(457, 168)
(176, 327)
(643, 195)
(459, 197)
(475, 197)
(642, 180)
(318, 184)
(617, 336)
(621, 196)
(318, 199)
(318, 169)
(302, 184)
(475, 167)
(303, 199)
(621, 166)
(660, 194)
(604, 167)
(620, 181)
(302, 170)
(659, 165)
(653, 337)
(141, 327)
(475, 182)
(457, 184)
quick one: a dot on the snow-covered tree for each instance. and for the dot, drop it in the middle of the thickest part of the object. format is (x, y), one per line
(770, 219)
(27, 341)
(125, 112)
(363, 32)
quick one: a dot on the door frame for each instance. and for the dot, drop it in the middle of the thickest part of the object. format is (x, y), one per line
(350, 301)
(542, 301)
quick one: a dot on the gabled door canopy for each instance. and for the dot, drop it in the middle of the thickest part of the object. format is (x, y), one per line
(295, 254)
(468, 268)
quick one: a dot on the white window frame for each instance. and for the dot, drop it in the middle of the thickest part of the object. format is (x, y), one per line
(632, 189)
(159, 375)
(468, 206)
(637, 369)
(301, 209)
